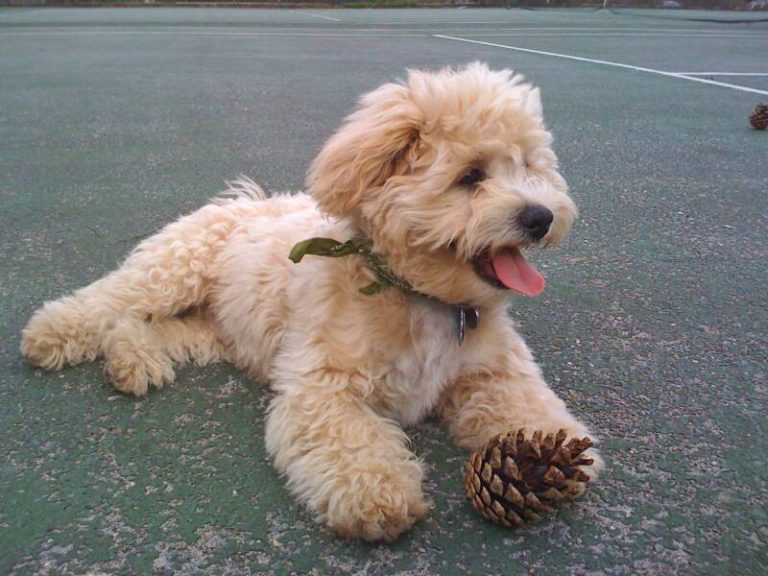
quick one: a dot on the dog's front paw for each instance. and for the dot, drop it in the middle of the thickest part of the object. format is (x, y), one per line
(598, 464)
(377, 503)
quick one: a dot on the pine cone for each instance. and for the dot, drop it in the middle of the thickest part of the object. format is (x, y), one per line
(513, 480)
(759, 119)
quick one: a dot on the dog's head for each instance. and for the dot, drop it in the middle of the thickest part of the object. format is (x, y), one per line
(452, 175)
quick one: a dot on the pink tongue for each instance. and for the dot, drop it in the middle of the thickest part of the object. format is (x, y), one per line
(516, 274)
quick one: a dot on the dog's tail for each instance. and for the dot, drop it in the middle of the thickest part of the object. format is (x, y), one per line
(242, 188)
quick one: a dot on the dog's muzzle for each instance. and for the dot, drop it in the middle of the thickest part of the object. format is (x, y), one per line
(535, 221)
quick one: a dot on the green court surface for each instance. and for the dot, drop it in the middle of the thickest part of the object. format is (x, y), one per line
(654, 325)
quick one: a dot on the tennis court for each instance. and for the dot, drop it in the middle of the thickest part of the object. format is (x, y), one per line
(654, 325)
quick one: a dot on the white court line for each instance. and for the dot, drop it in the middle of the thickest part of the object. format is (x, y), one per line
(322, 32)
(510, 22)
(512, 27)
(607, 29)
(485, 31)
(316, 15)
(671, 34)
(227, 31)
(607, 63)
(722, 73)
(204, 33)
(319, 31)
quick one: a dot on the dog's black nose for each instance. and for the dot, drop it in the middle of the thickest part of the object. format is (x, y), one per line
(535, 221)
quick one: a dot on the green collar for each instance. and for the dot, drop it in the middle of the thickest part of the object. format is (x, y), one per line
(357, 245)
(385, 278)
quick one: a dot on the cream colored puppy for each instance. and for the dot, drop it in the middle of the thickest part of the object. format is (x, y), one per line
(442, 180)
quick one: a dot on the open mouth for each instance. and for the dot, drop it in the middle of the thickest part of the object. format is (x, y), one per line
(507, 268)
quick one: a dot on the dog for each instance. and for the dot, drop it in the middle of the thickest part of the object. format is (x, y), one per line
(392, 307)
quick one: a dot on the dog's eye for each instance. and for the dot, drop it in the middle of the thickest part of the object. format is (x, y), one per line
(472, 177)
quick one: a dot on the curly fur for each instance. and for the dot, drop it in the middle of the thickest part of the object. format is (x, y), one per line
(348, 369)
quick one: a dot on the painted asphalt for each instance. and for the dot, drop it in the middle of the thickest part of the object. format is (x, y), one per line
(653, 326)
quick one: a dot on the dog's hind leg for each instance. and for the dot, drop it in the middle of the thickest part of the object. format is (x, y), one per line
(60, 333)
(191, 338)
(134, 357)
(139, 354)
(166, 274)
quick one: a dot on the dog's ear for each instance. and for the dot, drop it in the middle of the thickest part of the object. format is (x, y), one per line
(370, 147)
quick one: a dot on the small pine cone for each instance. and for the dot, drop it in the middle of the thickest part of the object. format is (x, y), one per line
(513, 480)
(759, 119)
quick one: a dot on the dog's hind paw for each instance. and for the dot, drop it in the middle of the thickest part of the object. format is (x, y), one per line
(56, 336)
(134, 360)
(134, 371)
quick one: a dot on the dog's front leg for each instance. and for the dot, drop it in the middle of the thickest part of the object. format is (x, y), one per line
(346, 463)
(478, 407)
